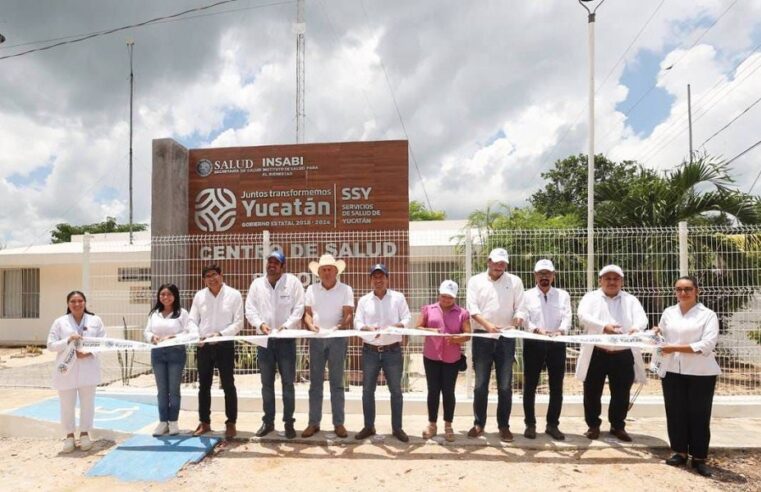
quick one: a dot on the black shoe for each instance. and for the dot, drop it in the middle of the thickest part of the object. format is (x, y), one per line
(265, 429)
(701, 467)
(621, 434)
(365, 433)
(677, 460)
(401, 435)
(530, 432)
(290, 432)
(592, 433)
(554, 433)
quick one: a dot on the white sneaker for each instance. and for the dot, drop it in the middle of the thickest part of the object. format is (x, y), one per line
(68, 445)
(85, 444)
(161, 429)
(174, 428)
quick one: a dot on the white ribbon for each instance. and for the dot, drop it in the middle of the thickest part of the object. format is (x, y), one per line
(69, 357)
(646, 341)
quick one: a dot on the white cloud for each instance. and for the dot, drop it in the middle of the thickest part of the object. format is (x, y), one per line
(460, 73)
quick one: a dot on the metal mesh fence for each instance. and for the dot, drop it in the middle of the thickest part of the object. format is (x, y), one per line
(727, 262)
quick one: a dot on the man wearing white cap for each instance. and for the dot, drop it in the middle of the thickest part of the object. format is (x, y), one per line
(275, 302)
(547, 311)
(610, 311)
(329, 306)
(493, 299)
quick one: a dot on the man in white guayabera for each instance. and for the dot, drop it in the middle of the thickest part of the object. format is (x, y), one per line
(610, 311)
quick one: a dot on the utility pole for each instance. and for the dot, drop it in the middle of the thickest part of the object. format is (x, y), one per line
(591, 153)
(689, 117)
(300, 29)
(130, 46)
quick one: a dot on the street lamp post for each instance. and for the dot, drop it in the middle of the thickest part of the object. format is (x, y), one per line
(591, 155)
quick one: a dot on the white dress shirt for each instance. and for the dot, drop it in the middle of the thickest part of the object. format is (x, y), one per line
(85, 371)
(597, 310)
(327, 304)
(550, 311)
(161, 326)
(222, 313)
(698, 328)
(496, 300)
(382, 313)
(281, 306)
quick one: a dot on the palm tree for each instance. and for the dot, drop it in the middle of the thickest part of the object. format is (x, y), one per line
(699, 192)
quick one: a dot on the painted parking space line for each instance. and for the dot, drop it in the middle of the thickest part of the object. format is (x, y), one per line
(153, 459)
(110, 413)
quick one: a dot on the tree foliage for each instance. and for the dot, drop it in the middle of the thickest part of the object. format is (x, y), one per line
(63, 231)
(628, 199)
(698, 192)
(419, 212)
(566, 190)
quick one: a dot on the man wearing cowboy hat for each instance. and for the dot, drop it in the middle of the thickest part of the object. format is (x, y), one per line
(610, 311)
(329, 306)
(275, 302)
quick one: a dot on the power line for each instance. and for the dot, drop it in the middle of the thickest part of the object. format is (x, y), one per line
(633, 107)
(676, 128)
(730, 122)
(166, 21)
(742, 154)
(605, 80)
(626, 51)
(401, 120)
(123, 28)
(705, 98)
(730, 161)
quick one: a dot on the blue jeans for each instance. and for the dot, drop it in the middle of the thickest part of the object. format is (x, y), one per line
(168, 364)
(500, 353)
(332, 351)
(391, 363)
(280, 354)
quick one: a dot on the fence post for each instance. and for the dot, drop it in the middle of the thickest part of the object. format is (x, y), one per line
(468, 274)
(684, 266)
(266, 250)
(86, 263)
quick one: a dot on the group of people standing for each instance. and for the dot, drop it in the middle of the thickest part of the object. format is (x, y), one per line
(496, 301)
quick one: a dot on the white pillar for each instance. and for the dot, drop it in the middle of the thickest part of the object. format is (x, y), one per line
(684, 266)
(266, 249)
(86, 264)
(591, 160)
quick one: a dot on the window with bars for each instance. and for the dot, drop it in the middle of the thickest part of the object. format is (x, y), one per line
(21, 293)
(134, 274)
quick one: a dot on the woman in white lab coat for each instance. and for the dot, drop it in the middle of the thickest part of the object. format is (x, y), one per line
(167, 321)
(688, 371)
(81, 374)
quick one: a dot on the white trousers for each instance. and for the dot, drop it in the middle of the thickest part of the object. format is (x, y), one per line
(68, 400)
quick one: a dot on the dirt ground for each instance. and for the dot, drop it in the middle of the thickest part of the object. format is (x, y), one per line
(32, 464)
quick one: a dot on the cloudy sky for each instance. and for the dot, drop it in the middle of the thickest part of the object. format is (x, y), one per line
(491, 93)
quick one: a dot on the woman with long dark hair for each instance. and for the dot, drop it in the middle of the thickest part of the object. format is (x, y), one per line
(688, 371)
(167, 320)
(79, 376)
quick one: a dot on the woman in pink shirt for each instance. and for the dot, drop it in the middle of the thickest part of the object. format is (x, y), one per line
(441, 355)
